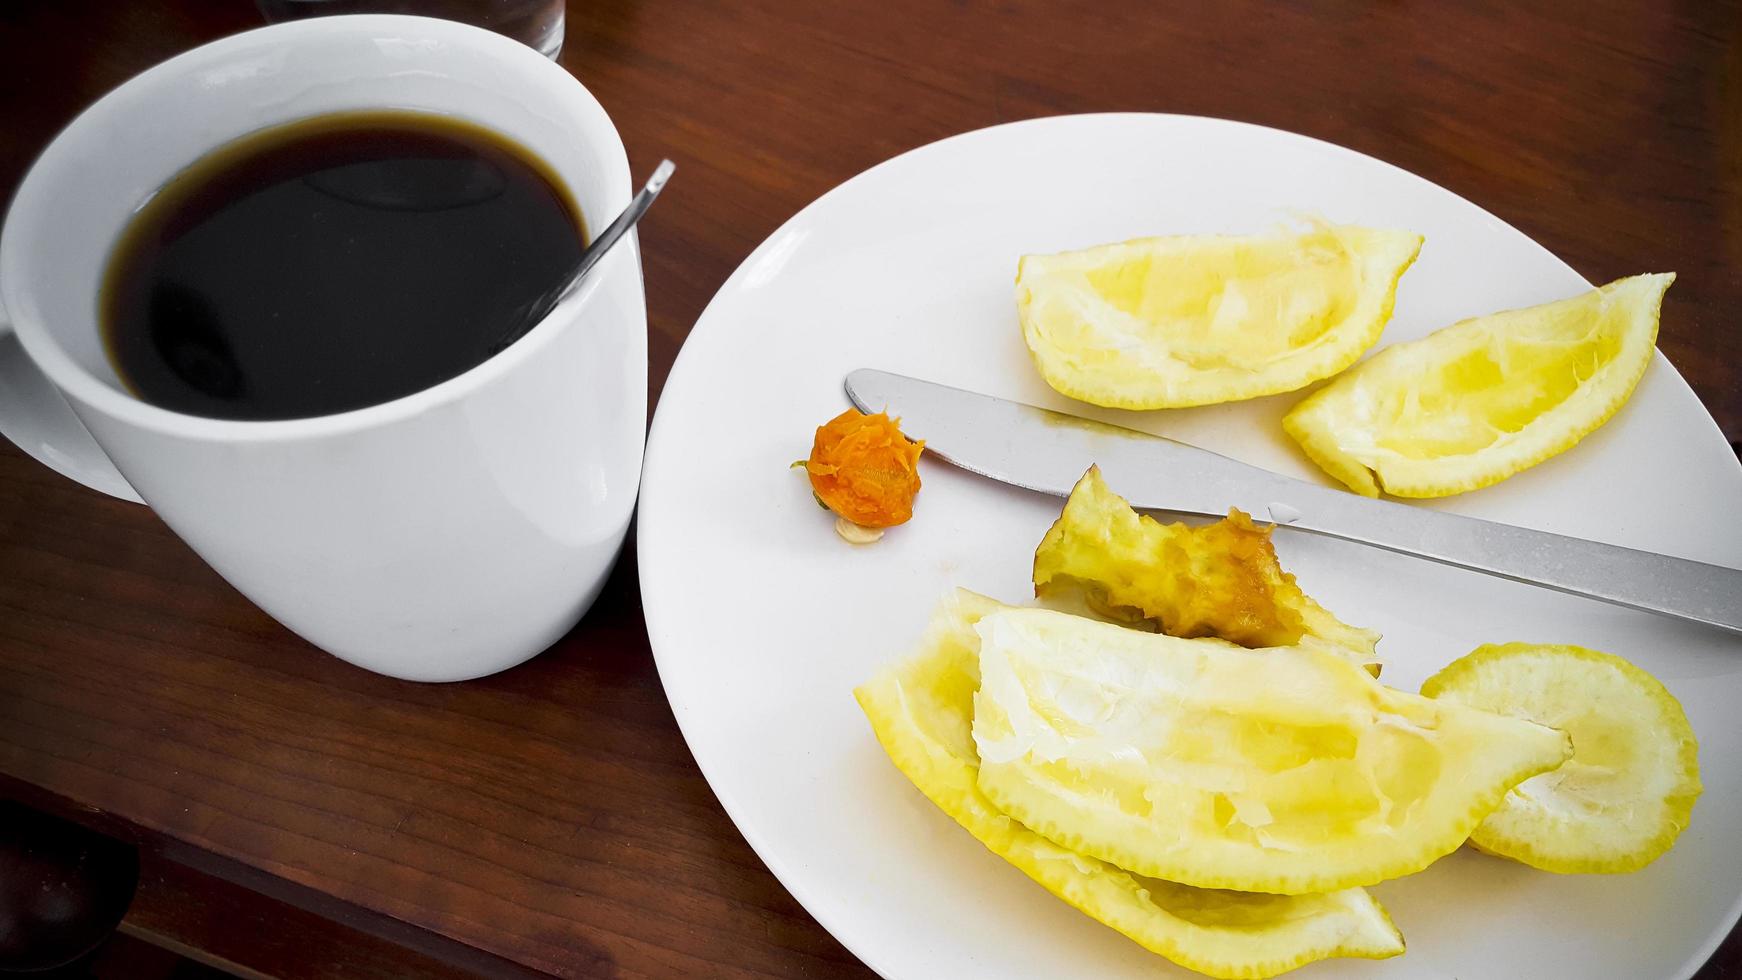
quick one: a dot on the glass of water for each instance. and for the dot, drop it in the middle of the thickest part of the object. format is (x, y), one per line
(538, 23)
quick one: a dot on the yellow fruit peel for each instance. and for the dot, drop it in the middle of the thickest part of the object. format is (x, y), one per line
(1198, 319)
(1483, 399)
(1628, 791)
(922, 712)
(1286, 770)
(1220, 580)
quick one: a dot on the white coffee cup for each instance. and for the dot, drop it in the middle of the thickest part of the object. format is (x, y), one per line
(444, 535)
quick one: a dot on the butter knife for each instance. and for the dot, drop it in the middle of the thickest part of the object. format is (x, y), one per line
(1048, 451)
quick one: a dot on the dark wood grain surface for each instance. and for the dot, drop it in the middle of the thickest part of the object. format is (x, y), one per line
(552, 816)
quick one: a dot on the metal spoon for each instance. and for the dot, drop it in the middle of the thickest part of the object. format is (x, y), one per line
(540, 306)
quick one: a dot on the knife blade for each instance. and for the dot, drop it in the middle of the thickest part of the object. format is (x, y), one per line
(1048, 451)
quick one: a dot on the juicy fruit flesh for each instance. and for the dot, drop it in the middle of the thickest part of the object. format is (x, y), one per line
(1220, 580)
(1475, 398)
(1629, 789)
(1194, 320)
(1474, 403)
(1230, 304)
(922, 712)
(1285, 770)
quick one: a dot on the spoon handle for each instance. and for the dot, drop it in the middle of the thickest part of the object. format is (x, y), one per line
(536, 309)
(602, 242)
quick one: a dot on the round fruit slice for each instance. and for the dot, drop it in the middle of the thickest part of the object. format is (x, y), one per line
(1194, 320)
(1482, 399)
(921, 711)
(1284, 770)
(1628, 790)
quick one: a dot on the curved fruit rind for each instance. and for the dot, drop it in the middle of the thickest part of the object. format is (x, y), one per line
(1219, 580)
(1476, 402)
(1198, 319)
(1286, 770)
(1630, 787)
(921, 711)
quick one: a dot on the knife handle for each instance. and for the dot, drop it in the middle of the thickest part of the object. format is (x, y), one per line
(1669, 586)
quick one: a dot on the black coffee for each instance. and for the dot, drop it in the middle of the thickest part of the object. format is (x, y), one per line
(333, 263)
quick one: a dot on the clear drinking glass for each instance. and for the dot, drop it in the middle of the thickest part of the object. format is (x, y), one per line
(538, 23)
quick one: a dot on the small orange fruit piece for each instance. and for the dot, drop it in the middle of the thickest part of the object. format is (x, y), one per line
(863, 468)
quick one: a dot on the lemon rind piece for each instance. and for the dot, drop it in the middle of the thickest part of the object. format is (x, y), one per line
(1307, 425)
(1132, 568)
(1515, 832)
(1348, 923)
(1389, 255)
(1482, 755)
(1325, 438)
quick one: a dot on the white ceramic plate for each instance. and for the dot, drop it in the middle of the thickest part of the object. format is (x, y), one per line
(762, 620)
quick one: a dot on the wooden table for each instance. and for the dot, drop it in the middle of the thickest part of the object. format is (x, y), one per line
(297, 815)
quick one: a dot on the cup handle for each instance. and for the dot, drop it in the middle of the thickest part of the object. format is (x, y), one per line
(38, 420)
